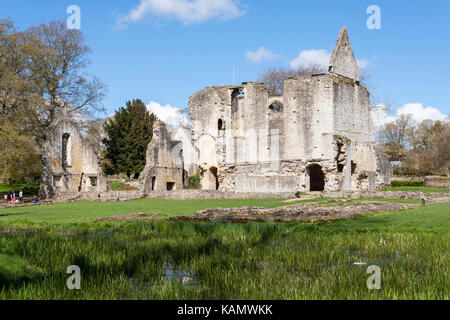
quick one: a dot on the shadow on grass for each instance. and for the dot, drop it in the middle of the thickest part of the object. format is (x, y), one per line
(14, 214)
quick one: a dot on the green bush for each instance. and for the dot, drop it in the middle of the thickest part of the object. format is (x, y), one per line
(407, 183)
(121, 186)
(194, 182)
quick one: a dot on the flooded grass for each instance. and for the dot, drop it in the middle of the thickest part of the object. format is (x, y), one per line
(195, 260)
(183, 260)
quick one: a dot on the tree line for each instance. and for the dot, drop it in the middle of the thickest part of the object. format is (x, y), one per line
(422, 148)
(43, 70)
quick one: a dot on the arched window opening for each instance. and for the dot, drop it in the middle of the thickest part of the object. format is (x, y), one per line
(66, 151)
(277, 106)
(153, 183)
(220, 125)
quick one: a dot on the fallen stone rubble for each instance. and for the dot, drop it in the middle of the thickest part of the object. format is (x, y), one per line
(431, 197)
(133, 217)
(309, 212)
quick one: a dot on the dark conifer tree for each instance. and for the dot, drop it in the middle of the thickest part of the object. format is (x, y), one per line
(127, 135)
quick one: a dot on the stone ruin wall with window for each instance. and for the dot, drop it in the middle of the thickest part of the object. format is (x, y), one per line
(164, 162)
(318, 134)
(70, 165)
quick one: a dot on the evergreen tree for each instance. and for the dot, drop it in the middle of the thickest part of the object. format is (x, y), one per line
(127, 135)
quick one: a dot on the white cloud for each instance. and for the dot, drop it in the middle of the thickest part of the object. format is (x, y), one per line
(362, 64)
(307, 58)
(320, 58)
(419, 113)
(186, 11)
(171, 116)
(380, 116)
(260, 55)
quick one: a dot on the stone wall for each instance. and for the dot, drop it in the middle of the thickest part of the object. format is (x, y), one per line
(164, 164)
(104, 196)
(437, 182)
(209, 194)
(69, 163)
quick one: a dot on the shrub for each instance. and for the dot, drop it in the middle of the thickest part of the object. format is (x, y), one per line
(407, 183)
(194, 182)
(121, 186)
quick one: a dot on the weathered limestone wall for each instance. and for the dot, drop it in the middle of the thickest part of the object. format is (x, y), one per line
(383, 169)
(437, 182)
(164, 166)
(69, 163)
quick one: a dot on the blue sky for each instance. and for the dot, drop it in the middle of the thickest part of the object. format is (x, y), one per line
(167, 50)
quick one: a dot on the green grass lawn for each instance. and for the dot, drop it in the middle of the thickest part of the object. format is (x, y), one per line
(87, 211)
(195, 260)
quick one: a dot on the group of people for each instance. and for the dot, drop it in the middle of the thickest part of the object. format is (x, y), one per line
(11, 197)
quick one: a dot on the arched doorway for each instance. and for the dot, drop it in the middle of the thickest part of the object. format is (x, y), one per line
(316, 178)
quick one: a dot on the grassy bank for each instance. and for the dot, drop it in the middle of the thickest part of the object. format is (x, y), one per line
(179, 260)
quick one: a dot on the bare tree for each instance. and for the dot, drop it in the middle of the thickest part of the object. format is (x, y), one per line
(396, 137)
(58, 58)
(274, 79)
(42, 71)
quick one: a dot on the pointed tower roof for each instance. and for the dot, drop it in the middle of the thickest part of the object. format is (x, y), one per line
(343, 60)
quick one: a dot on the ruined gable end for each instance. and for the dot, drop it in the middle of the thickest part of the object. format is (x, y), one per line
(343, 62)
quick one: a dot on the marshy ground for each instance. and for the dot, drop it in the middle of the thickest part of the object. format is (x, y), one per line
(165, 259)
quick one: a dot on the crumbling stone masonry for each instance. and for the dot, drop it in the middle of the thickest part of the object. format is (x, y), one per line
(164, 168)
(70, 165)
(318, 134)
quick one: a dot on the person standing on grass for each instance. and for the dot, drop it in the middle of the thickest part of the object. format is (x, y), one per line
(117, 196)
(99, 197)
(20, 196)
(297, 191)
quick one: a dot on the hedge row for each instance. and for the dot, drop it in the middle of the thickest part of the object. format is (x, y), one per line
(407, 183)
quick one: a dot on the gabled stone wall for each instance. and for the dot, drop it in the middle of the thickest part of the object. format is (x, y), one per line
(70, 165)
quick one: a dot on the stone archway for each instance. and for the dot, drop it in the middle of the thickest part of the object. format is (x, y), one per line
(316, 178)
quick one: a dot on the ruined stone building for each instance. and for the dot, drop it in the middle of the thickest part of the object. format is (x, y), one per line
(317, 134)
(70, 165)
(164, 168)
